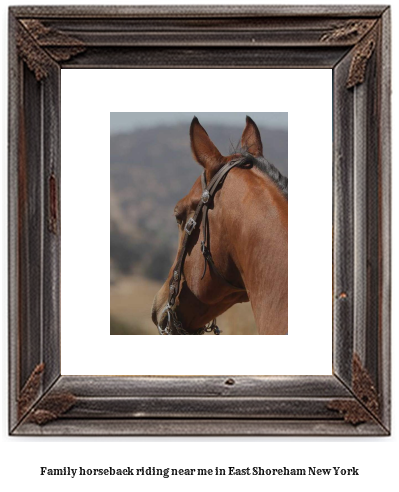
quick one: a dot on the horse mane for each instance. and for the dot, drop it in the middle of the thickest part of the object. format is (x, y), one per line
(266, 168)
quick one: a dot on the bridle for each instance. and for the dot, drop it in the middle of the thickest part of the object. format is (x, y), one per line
(173, 325)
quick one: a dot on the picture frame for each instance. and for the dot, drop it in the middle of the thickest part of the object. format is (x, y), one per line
(353, 41)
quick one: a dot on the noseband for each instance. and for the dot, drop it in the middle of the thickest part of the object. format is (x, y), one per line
(173, 325)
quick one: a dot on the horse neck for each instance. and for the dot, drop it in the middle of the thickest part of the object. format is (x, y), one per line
(259, 233)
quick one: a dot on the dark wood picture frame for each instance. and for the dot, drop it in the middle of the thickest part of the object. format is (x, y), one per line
(353, 41)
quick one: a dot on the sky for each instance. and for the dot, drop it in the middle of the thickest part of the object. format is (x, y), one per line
(124, 122)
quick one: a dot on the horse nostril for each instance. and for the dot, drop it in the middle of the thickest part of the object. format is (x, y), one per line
(154, 317)
(154, 312)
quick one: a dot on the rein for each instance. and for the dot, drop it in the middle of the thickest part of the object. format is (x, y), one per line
(173, 325)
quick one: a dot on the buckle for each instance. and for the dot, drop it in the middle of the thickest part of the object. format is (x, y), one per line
(190, 226)
(205, 196)
(205, 251)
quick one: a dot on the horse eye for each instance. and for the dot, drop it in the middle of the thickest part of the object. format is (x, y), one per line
(177, 216)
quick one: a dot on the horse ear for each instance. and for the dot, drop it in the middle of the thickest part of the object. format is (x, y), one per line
(203, 149)
(251, 140)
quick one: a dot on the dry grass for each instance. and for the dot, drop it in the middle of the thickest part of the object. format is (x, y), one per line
(131, 301)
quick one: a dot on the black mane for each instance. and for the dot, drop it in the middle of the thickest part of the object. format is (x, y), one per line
(267, 168)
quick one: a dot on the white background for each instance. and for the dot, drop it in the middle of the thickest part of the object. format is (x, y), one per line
(87, 98)
(21, 457)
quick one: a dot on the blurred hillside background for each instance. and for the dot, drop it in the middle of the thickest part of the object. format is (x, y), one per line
(151, 169)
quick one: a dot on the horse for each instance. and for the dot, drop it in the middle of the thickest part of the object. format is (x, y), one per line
(242, 202)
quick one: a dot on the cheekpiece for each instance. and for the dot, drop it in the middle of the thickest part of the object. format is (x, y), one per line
(205, 196)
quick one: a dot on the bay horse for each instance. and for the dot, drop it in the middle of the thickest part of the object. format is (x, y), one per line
(242, 202)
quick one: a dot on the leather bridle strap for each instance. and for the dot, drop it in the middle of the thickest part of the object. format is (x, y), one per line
(208, 192)
(205, 243)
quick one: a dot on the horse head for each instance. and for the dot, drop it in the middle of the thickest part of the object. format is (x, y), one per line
(218, 222)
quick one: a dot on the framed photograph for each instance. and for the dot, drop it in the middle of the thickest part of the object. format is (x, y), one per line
(157, 166)
(202, 103)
